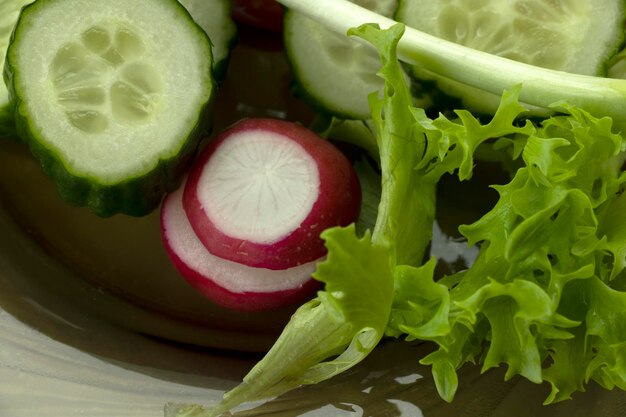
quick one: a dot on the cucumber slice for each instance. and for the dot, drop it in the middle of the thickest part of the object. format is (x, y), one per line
(617, 65)
(214, 17)
(333, 73)
(9, 13)
(577, 36)
(111, 97)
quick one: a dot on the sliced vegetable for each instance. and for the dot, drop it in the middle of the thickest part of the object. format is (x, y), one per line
(543, 297)
(262, 14)
(574, 36)
(265, 189)
(227, 283)
(332, 72)
(111, 97)
(9, 13)
(577, 37)
(214, 17)
(540, 86)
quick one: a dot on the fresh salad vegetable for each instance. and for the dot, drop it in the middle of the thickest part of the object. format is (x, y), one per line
(262, 14)
(546, 295)
(226, 283)
(246, 230)
(214, 17)
(534, 32)
(9, 13)
(541, 87)
(93, 82)
(331, 72)
(265, 189)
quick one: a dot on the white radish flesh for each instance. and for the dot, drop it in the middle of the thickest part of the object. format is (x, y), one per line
(260, 186)
(227, 283)
(265, 189)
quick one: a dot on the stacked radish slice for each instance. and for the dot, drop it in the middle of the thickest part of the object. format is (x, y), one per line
(245, 228)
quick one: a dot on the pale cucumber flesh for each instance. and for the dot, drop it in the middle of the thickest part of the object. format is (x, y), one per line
(110, 93)
(332, 72)
(101, 79)
(214, 17)
(578, 36)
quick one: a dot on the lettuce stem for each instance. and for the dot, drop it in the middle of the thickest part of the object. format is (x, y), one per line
(541, 87)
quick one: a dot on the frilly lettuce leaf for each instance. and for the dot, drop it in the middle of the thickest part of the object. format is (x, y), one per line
(369, 179)
(416, 151)
(342, 323)
(407, 205)
(539, 298)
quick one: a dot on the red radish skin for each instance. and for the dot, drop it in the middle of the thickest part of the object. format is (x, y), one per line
(226, 283)
(262, 14)
(324, 192)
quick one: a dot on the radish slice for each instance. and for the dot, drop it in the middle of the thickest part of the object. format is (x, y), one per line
(265, 189)
(227, 283)
(262, 14)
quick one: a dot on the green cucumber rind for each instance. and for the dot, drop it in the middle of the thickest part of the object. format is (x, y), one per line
(7, 124)
(136, 196)
(220, 68)
(7, 120)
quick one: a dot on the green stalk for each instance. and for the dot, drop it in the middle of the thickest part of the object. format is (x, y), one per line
(541, 87)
